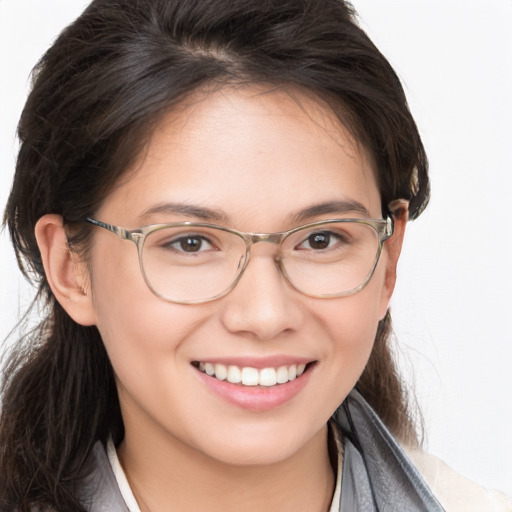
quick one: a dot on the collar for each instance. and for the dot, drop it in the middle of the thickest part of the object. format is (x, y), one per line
(122, 481)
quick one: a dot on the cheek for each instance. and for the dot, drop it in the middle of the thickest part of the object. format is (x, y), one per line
(136, 326)
(353, 334)
(351, 323)
(146, 341)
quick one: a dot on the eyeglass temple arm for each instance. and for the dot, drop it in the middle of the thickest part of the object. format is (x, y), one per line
(120, 232)
(395, 209)
(398, 206)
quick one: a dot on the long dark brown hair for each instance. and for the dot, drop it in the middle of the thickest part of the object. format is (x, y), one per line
(97, 94)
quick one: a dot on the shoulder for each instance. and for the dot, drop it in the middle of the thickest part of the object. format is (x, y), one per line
(455, 492)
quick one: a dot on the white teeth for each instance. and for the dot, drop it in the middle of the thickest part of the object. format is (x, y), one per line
(248, 376)
(221, 372)
(282, 375)
(209, 369)
(234, 374)
(268, 377)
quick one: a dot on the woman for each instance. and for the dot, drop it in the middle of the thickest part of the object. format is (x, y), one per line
(262, 158)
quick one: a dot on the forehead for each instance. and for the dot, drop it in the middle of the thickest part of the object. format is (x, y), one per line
(248, 152)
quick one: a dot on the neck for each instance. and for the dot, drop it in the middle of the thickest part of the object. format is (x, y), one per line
(167, 476)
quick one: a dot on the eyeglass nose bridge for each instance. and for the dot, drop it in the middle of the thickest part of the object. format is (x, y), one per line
(273, 238)
(254, 238)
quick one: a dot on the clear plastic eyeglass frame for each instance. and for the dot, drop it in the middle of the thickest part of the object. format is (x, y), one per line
(384, 229)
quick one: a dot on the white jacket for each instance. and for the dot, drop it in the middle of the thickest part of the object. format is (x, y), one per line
(454, 492)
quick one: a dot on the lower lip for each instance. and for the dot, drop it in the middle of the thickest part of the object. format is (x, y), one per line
(256, 398)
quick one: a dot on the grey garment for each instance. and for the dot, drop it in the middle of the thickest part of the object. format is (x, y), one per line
(99, 491)
(377, 475)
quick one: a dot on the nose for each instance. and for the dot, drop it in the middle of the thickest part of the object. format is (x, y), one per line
(262, 305)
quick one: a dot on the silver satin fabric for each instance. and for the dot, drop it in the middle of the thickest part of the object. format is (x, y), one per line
(99, 491)
(377, 476)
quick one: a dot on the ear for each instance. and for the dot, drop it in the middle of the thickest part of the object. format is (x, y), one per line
(392, 249)
(66, 274)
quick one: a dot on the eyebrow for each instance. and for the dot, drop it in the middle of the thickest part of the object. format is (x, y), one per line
(330, 207)
(186, 210)
(217, 215)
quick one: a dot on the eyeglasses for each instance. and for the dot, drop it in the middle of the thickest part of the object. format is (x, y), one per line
(196, 262)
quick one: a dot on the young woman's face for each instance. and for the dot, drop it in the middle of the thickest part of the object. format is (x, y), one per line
(254, 161)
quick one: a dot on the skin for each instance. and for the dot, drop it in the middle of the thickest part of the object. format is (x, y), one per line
(257, 157)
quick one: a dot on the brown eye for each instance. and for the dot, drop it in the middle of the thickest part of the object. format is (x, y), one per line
(319, 240)
(189, 244)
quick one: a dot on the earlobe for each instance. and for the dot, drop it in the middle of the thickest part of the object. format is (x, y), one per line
(66, 275)
(393, 248)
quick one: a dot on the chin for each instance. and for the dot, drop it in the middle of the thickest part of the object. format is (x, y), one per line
(260, 448)
(261, 454)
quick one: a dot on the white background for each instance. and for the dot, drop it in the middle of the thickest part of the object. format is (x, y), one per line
(453, 306)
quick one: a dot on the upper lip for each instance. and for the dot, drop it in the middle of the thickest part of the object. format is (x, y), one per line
(257, 362)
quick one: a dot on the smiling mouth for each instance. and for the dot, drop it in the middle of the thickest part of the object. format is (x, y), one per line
(248, 376)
